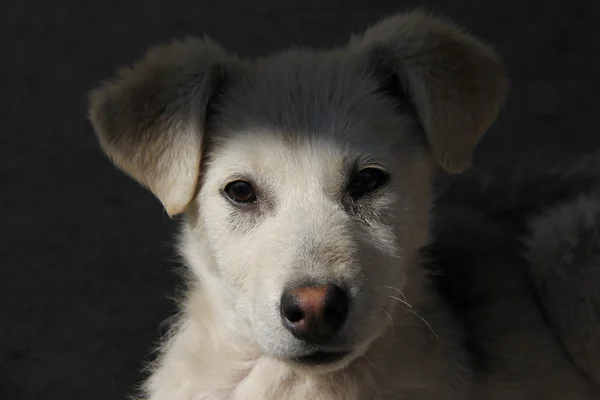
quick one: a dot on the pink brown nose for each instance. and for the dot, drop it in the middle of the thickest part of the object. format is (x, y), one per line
(314, 313)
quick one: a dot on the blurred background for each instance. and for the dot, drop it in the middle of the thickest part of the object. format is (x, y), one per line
(86, 256)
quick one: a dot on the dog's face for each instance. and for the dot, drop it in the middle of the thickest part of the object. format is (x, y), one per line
(307, 174)
(330, 200)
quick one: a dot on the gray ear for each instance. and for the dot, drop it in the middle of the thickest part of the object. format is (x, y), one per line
(150, 119)
(456, 82)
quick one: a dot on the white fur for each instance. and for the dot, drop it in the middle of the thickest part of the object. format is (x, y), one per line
(230, 342)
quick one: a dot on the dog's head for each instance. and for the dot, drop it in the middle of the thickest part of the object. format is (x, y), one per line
(305, 175)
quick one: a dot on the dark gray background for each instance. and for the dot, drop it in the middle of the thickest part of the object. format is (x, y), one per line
(86, 260)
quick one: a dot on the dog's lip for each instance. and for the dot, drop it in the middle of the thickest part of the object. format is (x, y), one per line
(321, 357)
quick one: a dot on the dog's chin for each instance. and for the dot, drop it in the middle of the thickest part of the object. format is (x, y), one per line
(316, 359)
(313, 359)
(321, 362)
(324, 361)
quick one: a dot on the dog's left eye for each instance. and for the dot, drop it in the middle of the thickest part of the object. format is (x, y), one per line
(240, 192)
(367, 180)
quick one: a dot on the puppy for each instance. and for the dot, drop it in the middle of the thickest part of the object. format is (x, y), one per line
(304, 179)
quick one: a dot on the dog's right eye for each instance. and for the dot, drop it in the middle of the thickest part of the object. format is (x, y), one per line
(240, 192)
(367, 180)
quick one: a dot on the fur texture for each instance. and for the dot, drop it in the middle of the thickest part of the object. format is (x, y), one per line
(412, 93)
(564, 254)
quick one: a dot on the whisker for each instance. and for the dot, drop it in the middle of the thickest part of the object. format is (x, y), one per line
(400, 300)
(396, 289)
(388, 335)
(388, 314)
(426, 323)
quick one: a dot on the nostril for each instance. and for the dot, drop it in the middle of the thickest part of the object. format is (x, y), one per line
(334, 312)
(294, 315)
(336, 306)
(290, 309)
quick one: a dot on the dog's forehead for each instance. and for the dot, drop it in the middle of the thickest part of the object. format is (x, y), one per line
(306, 111)
(262, 152)
(303, 92)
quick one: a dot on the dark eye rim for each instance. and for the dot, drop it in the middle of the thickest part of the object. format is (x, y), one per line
(250, 202)
(356, 194)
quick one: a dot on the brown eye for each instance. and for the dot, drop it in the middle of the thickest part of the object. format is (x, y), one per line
(240, 192)
(367, 180)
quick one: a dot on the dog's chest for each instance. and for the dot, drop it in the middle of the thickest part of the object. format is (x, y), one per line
(271, 380)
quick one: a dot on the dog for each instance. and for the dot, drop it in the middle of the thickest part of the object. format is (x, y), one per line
(305, 183)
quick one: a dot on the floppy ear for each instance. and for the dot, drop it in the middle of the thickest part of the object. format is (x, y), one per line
(150, 119)
(456, 82)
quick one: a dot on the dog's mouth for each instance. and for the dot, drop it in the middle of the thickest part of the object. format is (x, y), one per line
(320, 358)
